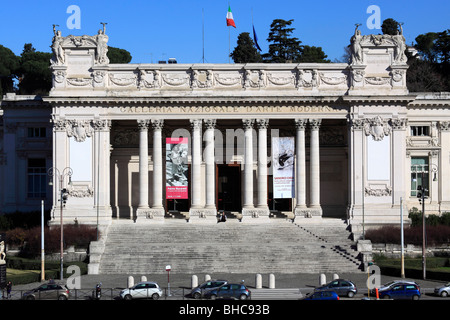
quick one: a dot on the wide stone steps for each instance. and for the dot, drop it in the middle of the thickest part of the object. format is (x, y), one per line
(276, 247)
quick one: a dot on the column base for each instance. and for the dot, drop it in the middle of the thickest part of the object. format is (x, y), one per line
(150, 213)
(202, 213)
(308, 212)
(256, 212)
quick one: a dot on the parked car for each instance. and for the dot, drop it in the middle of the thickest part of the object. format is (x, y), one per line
(142, 290)
(229, 291)
(400, 290)
(199, 291)
(322, 295)
(340, 286)
(390, 283)
(443, 291)
(48, 291)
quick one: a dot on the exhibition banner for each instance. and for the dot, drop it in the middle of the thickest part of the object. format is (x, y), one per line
(176, 168)
(283, 167)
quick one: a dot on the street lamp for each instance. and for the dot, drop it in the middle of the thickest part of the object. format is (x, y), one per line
(53, 171)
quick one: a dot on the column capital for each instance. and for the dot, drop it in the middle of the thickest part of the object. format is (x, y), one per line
(101, 125)
(196, 123)
(300, 124)
(262, 123)
(315, 123)
(248, 123)
(143, 124)
(157, 124)
(210, 123)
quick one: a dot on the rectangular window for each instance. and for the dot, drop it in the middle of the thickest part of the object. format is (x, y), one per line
(419, 174)
(37, 178)
(420, 131)
(36, 133)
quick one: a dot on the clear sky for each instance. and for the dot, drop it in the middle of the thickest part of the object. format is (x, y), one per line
(153, 30)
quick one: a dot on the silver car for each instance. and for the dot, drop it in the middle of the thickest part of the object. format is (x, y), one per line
(48, 291)
(443, 291)
(142, 290)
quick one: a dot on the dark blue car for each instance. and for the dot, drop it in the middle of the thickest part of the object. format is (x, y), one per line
(229, 291)
(323, 295)
(401, 291)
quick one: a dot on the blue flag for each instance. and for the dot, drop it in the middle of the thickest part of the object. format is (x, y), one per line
(255, 38)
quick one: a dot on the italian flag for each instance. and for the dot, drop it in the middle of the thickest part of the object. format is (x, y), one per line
(230, 20)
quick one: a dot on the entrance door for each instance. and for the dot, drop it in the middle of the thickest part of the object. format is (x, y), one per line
(229, 187)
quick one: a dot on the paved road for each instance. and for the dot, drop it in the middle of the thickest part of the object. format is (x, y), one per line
(287, 286)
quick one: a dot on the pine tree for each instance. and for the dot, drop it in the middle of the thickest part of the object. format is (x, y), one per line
(245, 51)
(283, 47)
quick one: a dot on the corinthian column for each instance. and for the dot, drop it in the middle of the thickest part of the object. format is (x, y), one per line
(210, 164)
(196, 125)
(248, 164)
(157, 126)
(300, 185)
(315, 168)
(262, 163)
(143, 167)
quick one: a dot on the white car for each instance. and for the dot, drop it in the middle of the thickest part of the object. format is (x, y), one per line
(443, 291)
(142, 290)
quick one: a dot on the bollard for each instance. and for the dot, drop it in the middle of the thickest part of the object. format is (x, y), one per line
(258, 281)
(322, 279)
(377, 294)
(335, 276)
(194, 281)
(130, 282)
(207, 277)
(143, 278)
(271, 281)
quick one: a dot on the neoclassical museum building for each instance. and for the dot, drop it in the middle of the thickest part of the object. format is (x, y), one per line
(152, 141)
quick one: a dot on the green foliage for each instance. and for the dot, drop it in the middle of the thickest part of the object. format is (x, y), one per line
(313, 54)
(9, 63)
(117, 55)
(283, 46)
(390, 26)
(245, 51)
(34, 72)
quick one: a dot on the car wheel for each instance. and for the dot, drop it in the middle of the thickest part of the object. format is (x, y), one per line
(30, 298)
(243, 297)
(415, 297)
(350, 294)
(62, 297)
(387, 297)
(128, 297)
(155, 296)
(444, 294)
(213, 297)
(197, 295)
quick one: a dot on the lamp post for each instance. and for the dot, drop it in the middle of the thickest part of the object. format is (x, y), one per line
(53, 171)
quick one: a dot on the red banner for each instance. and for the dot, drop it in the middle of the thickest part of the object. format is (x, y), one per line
(176, 168)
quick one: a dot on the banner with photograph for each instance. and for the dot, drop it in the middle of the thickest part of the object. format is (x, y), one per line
(283, 167)
(176, 168)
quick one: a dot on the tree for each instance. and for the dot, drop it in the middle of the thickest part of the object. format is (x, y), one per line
(245, 51)
(430, 71)
(117, 55)
(313, 54)
(34, 73)
(390, 27)
(283, 47)
(9, 63)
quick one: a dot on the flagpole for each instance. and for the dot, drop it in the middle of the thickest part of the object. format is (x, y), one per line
(203, 34)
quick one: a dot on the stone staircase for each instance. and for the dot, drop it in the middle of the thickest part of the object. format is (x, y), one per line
(277, 246)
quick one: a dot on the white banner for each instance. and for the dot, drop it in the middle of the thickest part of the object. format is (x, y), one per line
(283, 167)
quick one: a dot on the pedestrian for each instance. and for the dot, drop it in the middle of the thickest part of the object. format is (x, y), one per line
(222, 217)
(8, 290)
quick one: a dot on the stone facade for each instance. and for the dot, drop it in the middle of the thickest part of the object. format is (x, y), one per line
(355, 128)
